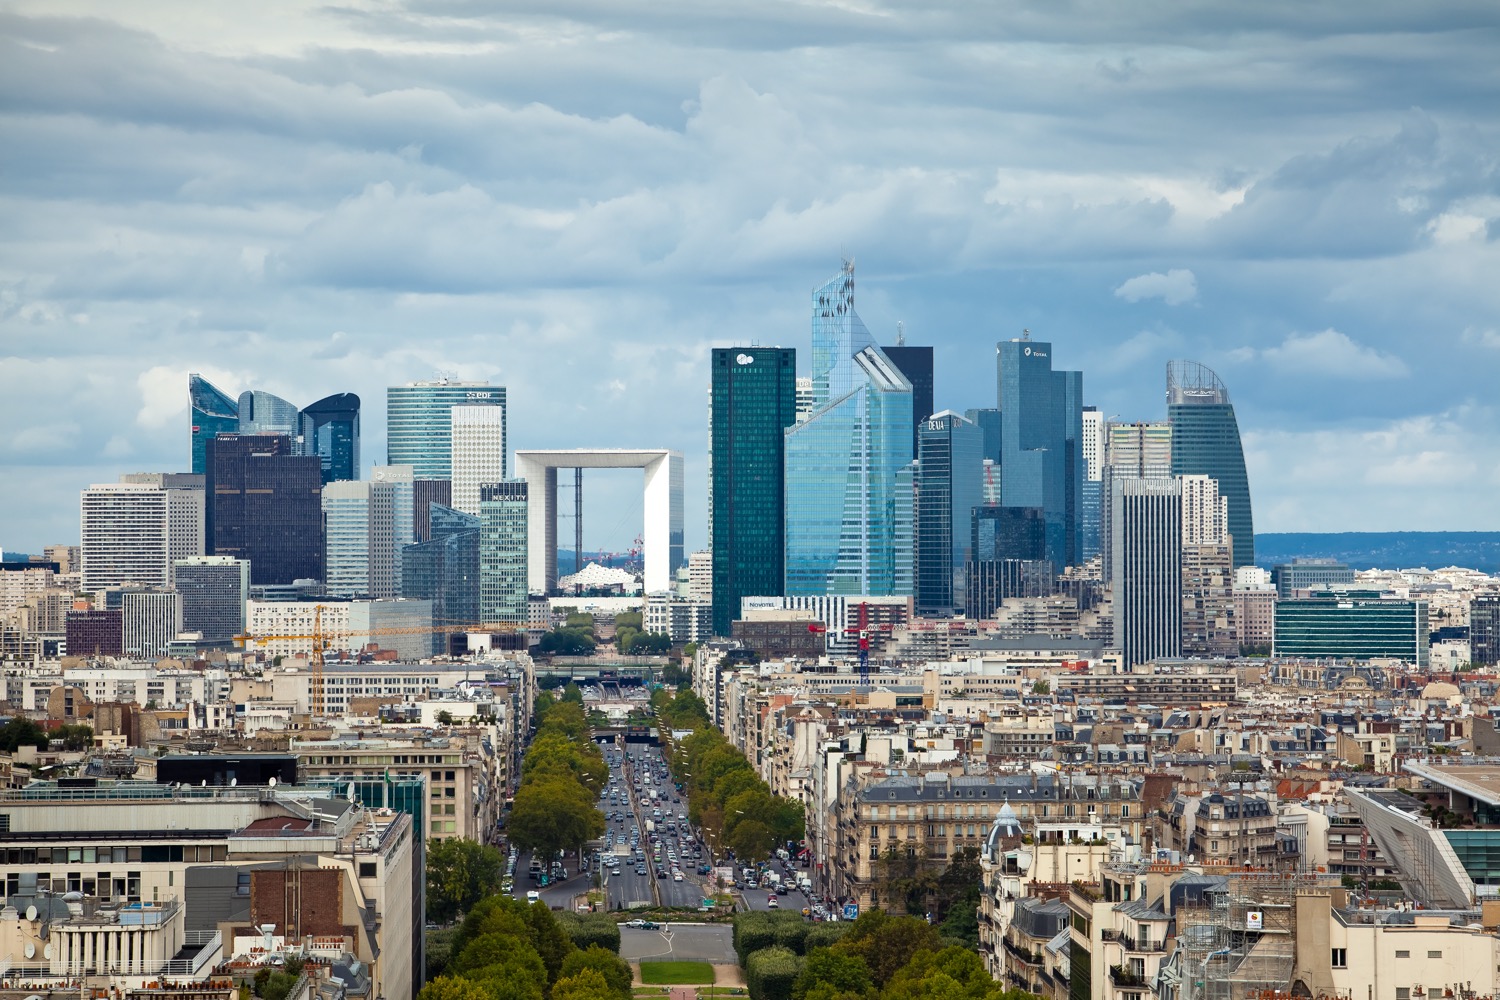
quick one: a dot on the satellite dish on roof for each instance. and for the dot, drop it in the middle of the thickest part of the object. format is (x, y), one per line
(72, 897)
(271, 781)
(31, 913)
(30, 950)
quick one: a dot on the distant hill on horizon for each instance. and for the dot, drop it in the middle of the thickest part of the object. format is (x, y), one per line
(1384, 549)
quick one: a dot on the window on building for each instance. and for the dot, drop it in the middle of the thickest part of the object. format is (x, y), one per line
(1340, 958)
(1434, 954)
(1403, 953)
(1403, 993)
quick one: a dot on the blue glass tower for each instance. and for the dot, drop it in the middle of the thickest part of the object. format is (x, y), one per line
(330, 430)
(848, 466)
(1041, 442)
(214, 412)
(445, 570)
(1206, 441)
(950, 486)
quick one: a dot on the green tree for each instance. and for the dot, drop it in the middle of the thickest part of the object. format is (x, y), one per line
(460, 873)
(567, 642)
(74, 737)
(888, 943)
(21, 731)
(750, 840)
(771, 973)
(829, 974)
(647, 644)
(1042, 686)
(588, 984)
(453, 988)
(613, 969)
(572, 692)
(553, 814)
(629, 619)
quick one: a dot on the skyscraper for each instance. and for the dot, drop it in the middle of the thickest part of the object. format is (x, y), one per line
(1009, 558)
(1209, 623)
(213, 412)
(1206, 441)
(264, 504)
(1146, 567)
(150, 620)
(503, 566)
(950, 486)
(445, 569)
(419, 427)
(1484, 630)
(478, 452)
(366, 524)
(1041, 441)
(1091, 521)
(916, 364)
(133, 532)
(848, 467)
(214, 590)
(263, 413)
(753, 399)
(330, 430)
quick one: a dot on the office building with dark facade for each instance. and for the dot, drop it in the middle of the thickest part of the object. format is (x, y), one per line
(213, 412)
(950, 487)
(753, 399)
(330, 430)
(1206, 441)
(264, 504)
(916, 364)
(445, 570)
(1484, 630)
(1041, 442)
(95, 633)
(1352, 625)
(1009, 558)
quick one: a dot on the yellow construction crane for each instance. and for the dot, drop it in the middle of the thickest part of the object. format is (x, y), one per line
(320, 639)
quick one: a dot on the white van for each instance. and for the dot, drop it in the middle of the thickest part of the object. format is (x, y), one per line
(532, 896)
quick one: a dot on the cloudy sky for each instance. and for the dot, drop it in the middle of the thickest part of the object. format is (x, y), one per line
(578, 198)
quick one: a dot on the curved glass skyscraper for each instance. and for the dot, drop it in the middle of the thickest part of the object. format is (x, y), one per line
(214, 412)
(263, 413)
(1206, 441)
(330, 430)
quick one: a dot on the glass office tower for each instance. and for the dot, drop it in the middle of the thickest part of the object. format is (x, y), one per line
(1041, 442)
(263, 503)
(950, 486)
(263, 413)
(753, 399)
(330, 430)
(916, 364)
(445, 570)
(503, 550)
(1206, 441)
(848, 489)
(419, 425)
(213, 412)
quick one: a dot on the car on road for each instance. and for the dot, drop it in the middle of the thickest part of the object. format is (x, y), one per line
(773, 902)
(661, 873)
(677, 876)
(645, 925)
(640, 870)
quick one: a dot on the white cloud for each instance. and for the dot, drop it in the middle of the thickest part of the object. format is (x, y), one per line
(1482, 336)
(1177, 286)
(1331, 353)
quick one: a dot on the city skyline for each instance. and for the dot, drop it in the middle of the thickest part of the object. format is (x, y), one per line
(1132, 186)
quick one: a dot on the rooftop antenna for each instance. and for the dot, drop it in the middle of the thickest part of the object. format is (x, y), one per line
(1025, 333)
(900, 333)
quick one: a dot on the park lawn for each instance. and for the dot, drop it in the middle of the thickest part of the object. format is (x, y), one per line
(676, 973)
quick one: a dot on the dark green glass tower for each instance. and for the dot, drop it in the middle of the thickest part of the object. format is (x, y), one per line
(1206, 442)
(753, 400)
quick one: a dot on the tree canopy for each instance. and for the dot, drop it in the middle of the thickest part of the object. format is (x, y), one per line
(459, 874)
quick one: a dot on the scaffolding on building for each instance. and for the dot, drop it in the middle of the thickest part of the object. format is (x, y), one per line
(1243, 942)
